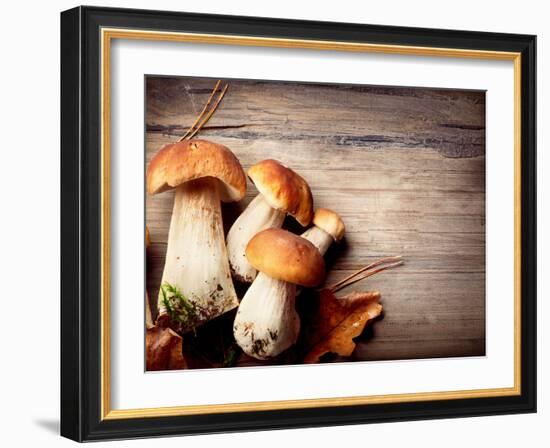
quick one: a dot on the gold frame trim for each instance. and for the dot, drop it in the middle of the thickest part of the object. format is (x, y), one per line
(107, 35)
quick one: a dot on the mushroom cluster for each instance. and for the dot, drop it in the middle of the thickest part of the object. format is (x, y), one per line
(267, 322)
(197, 285)
(197, 280)
(281, 192)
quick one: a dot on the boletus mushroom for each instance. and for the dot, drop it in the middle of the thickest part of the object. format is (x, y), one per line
(196, 283)
(267, 323)
(281, 192)
(327, 228)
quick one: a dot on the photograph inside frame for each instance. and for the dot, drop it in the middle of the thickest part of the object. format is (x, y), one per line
(301, 223)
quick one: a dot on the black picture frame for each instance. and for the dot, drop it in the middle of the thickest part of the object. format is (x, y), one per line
(81, 224)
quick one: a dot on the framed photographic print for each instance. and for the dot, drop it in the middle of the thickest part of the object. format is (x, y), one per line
(274, 224)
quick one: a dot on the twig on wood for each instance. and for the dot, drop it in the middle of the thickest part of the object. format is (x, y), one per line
(214, 90)
(216, 104)
(367, 271)
(204, 116)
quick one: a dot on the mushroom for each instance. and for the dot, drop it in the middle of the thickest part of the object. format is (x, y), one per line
(267, 323)
(327, 228)
(196, 283)
(281, 191)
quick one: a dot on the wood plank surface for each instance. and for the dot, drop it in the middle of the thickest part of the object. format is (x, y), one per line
(404, 167)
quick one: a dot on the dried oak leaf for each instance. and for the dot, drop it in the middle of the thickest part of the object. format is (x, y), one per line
(163, 349)
(338, 321)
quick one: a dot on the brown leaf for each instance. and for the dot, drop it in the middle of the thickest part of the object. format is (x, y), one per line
(338, 321)
(163, 349)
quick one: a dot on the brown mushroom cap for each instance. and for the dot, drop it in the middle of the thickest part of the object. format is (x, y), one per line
(285, 256)
(283, 189)
(177, 163)
(330, 222)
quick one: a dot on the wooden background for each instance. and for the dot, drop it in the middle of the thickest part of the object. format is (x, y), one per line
(405, 168)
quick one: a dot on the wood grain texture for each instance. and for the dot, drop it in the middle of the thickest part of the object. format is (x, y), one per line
(405, 168)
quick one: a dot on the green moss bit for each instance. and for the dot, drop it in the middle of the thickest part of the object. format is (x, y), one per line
(179, 308)
(230, 357)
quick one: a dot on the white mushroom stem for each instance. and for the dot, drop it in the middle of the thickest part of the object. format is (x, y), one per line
(258, 216)
(148, 315)
(196, 257)
(320, 239)
(267, 322)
